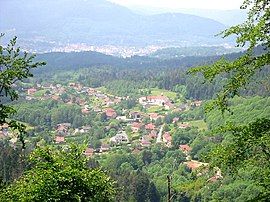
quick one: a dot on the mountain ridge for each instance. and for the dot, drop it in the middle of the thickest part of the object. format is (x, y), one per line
(100, 22)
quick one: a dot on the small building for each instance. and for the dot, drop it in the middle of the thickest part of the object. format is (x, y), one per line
(155, 116)
(111, 113)
(136, 126)
(184, 125)
(136, 115)
(31, 91)
(185, 148)
(145, 142)
(59, 139)
(150, 126)
(193, 165)
(89, 152)
(167, 139)
(152, 134)
(196, 103)
(4, 130)
(104, 148)
(120, 138)
(175, 120)
(168, 105)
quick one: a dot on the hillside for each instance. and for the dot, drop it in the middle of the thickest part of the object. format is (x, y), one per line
(98, 22)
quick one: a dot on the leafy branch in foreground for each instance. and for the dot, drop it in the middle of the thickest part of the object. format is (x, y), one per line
(60, 175)
(248, 146)
(248, 150)
(13, 67)
(254, 32)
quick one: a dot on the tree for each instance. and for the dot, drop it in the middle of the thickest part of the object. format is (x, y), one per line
(60, 175)
(249, 146)
(254, 33)
(13, 67)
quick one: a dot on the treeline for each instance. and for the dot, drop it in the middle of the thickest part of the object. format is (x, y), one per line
(244, 111)
(126, 77)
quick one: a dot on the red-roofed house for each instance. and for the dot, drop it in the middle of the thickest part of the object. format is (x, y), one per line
(111, 113)
(168, 105)
(136, 126)
(59, 139)
(195, 164)
(184, 125)
(167, 138)
(153, 134)
(185, 148)
(175, 120)
(31, 91)
(155, 116)
(150, 126)
(89, 152)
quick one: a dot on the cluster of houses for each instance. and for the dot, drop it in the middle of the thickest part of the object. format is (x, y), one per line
(161, 100)
(152, 133)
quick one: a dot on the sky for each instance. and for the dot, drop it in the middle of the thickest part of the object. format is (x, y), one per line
(175, 4)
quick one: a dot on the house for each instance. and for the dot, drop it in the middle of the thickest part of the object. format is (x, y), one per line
(136, 126)
(59, 139)
(175, 120)
(31, 91)
(119, 138)
(109, 103)
(136, 115)
(104, 148)
(152, 134)
(89, 152)
(168, 105)
(167, 139)
(154, 100)
(185, 148)
(83, 129)
(155, 116)
(111, 113)
(145, 141)
(85, 111)
(182, 107)
(55, 97)
(62, 128)
(216, 177)
(4, 130)
(184, 125)
(150, 126)
(193, 165)
(196, 103)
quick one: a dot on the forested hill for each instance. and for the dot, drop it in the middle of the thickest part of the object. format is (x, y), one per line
(100, 22)
(77, 60)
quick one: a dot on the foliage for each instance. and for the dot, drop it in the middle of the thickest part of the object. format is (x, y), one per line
(60, 175)
(244, 146)
(254, 32)
(249, 147)
(13, 67)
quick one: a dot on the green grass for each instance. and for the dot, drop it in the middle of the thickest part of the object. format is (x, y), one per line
(40, 93)
(169, 94)
(156, 109)
(199, 123)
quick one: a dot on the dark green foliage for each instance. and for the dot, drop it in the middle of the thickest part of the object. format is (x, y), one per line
(254, 32)
(13, 67)
(60, 175)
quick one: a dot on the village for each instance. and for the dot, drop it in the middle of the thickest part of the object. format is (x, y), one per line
(141, 127)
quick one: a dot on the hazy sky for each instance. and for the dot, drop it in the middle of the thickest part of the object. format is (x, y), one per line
(203, 4)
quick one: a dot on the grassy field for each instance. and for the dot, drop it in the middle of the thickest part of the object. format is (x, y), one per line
(169, 94)
(40, 93)
(200, 124)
